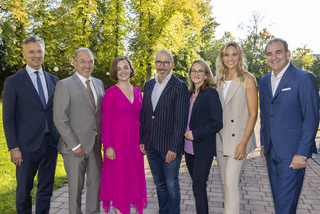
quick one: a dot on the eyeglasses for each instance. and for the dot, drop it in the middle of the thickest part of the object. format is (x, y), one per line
(83, 62)
(200, 72)
(165, 63)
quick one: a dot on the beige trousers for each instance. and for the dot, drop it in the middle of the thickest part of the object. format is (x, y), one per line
(230, 172)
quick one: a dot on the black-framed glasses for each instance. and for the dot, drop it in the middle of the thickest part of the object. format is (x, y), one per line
(199, 72)
(165, 63)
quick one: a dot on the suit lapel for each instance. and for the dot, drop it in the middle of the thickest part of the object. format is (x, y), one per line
(98, 92)
(196, 102)
(50, 88)
(231, 91)
(149, 90)
(220, 92)
(269, 88)
(82, 89)
(287, 76)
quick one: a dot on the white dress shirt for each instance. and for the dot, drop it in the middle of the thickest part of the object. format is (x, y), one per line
(275, 80)
(158, 89)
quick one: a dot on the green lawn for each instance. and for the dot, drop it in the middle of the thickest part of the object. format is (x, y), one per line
(7, 175)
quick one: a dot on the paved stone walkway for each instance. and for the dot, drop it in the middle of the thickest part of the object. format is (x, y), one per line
(254, 185)
(254, 189)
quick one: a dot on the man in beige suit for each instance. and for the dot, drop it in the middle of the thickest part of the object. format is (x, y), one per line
(77, 116)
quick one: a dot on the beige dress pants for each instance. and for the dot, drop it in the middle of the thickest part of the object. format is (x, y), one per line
(230, 172)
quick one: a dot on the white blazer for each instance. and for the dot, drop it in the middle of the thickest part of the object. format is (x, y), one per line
(235, 118)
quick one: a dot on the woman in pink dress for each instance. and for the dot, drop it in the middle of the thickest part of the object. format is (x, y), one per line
(123, 180)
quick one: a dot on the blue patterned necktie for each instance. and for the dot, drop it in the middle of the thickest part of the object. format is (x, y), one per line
(41, 95)
(40, 90)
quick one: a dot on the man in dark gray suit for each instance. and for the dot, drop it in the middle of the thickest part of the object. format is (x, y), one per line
(77, 116)
(164, 118)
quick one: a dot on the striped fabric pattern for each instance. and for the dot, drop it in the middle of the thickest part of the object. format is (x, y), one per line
(164, 128)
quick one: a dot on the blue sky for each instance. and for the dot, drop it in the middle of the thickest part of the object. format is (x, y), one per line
(296, 21)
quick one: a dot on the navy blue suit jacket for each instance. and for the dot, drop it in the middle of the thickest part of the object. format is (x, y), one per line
(164, 127)
(290, 118)
(23, 113)
(205, 122)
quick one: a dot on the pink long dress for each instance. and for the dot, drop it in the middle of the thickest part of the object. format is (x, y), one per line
(123, 180)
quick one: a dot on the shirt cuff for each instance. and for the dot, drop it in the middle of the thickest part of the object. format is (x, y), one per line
(76, 147)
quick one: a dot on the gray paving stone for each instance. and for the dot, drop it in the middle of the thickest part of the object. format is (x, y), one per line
(255, 193)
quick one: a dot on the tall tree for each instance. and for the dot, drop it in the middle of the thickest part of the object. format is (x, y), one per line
(110, 29)
(254, 44)
(157, 25)
(198, 43)
(13, 29)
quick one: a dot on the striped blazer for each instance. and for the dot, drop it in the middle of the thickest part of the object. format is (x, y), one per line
(164, 128)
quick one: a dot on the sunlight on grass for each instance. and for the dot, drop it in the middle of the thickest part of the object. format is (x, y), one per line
(8, 180)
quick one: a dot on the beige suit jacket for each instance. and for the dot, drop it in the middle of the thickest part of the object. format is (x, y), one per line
(235, 118)
(74, 115)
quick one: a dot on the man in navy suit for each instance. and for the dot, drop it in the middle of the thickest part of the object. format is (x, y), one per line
(164, 117)
(289, 111)
(28, 125)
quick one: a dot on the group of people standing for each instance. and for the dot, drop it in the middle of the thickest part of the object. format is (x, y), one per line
(215, 116)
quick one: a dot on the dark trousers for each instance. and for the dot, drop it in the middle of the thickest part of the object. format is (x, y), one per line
(44, 162)
(166, 179)
(286, 183)
(199, 170)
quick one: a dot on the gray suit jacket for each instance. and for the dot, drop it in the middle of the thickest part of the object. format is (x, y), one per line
(74, 114)
(235, 118)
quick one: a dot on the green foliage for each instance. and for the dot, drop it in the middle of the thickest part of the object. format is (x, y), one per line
(136, 28)
(254, 44)
(168, 24)
(315, 69)
(302, 58)
(8, 172)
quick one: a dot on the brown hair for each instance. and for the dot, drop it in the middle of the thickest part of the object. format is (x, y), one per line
(113, 68)
(208, 82)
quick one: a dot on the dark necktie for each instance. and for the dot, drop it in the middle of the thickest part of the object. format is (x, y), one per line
(90, 94)
(40, 90)
(41, 95)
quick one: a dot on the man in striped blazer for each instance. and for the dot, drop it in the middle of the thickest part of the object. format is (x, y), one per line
(164, 117)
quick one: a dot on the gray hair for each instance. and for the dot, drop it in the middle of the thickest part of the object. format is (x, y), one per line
(284, 42)
(33, 39)
(82, 49)
(166, 52)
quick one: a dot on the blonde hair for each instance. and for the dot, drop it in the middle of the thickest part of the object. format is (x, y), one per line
(241, 68)
(208, 82)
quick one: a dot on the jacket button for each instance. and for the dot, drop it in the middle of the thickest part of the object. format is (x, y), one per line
(153, 117)
(272, 103)
(231, 121)
(271, 115)
(233, 135)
